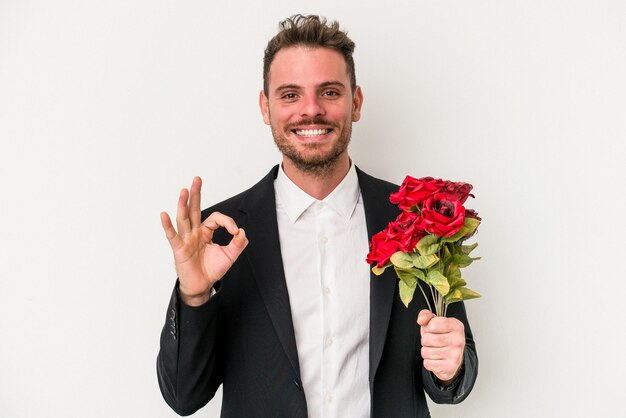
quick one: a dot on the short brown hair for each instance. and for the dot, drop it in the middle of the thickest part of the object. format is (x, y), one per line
(312, 31)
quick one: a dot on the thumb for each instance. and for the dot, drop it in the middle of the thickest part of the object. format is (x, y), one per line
(238, 242)
(424, 317)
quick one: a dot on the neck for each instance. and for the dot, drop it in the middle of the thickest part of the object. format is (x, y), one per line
(318, 184)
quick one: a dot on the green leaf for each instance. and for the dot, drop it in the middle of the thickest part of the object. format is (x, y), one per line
(459, 294)
(453, 273)
(468, 293)
(406, 292)
(470, 224)
(425, 261)
(402, 260)
(428, 245)
(446, 255)
(379, 270)
(467, 249)
(406, 276)
(438, 281)
(457, 283)
(452, 247)
(454, 238)
(462, 260)
(455, 295)
(468, 228)
(418, 273)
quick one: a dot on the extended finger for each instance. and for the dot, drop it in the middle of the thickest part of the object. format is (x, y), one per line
(194, 202)
(170, 233)
(182, 213)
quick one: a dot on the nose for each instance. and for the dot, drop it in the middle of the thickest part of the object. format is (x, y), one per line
(312, 106)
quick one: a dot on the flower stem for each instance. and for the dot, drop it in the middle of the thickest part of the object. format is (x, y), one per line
(425, 297)
(437, 299)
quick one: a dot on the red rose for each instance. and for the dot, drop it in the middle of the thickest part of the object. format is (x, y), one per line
(457, 190)
(401, 235)
(414, 191)
(409, 229)
(443, 217)
(382, 247)
(471, 213)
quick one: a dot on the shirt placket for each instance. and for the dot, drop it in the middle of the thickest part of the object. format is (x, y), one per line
(324, 238)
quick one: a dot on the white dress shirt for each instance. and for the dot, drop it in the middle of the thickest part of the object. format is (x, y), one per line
(323, 246)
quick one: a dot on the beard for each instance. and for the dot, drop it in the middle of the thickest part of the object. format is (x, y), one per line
(313, 160)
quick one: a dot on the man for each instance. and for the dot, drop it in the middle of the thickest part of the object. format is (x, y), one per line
(274, 300)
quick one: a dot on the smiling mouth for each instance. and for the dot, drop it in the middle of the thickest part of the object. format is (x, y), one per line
(310, 132)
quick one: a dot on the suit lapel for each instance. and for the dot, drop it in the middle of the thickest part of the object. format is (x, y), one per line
(378, 213)
(263, 253)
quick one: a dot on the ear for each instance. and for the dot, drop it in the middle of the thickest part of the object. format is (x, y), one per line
(357, 102)
(265, 109)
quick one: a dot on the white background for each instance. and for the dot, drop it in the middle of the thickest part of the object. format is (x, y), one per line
(108, 108)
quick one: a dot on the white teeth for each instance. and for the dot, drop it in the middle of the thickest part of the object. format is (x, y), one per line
(311, 132)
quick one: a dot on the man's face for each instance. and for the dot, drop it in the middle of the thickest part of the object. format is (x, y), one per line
(311, 107)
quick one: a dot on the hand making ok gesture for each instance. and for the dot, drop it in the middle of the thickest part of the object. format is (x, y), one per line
(200, 263)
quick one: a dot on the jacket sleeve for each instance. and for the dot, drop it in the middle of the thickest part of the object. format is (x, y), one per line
(187, 368)
(458, 390)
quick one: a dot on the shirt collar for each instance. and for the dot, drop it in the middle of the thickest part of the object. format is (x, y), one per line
(296, 201)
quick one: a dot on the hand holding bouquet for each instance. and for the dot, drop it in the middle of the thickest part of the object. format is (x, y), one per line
(427, 241)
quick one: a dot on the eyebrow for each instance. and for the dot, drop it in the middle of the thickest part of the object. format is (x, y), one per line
(338, 84)
(325, 84)
(287, 87)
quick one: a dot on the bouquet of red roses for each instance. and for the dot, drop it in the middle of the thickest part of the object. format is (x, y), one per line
(426, 242)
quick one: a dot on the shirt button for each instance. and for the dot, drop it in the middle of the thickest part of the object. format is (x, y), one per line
(327, 291)
(321, 205)
(329, 398)
(328, 341)
(323, 240)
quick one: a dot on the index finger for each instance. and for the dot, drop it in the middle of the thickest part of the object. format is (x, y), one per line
(443, 325)
(217, 219)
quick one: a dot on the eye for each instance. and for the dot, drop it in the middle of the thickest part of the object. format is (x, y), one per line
(330, 93)
(289, 96)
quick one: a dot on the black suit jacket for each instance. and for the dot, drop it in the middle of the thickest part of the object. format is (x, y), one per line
(243, 337)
